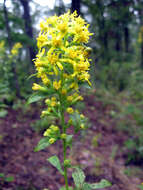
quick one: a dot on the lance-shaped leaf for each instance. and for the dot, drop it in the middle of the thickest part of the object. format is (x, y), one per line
(78, 177)
(35, 97)
(102, 184)
(43, 143)
(87, 186)
(54, 160)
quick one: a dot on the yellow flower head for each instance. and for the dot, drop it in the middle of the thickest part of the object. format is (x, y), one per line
(52, 140)
(63, 136)
(36, 86)
(16, 48)
(47, 133)
(57, 85)
(70, 110)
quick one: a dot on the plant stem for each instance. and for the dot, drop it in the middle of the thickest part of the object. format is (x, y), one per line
(65, 168)
(64, 142)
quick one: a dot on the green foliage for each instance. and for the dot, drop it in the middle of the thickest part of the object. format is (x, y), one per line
(78, 177)
(140, 187)
(43, 123)
(3, 113)
(4, 178)
(38, 96)
(54, 160)
(127, 113)
(79, 180)
(116, 75)
(43, 143)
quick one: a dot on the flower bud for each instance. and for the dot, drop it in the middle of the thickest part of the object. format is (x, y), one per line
(70, 110)
(64, 91)
(52, 140)
(82, 126)
(47, 133)
(63, 136)
(70, 121)
(67, 163)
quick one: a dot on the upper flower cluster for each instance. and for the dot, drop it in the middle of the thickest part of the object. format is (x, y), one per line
(62, 51)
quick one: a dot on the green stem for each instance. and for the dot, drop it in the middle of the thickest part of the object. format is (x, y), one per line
(64, 143)
(65, 168)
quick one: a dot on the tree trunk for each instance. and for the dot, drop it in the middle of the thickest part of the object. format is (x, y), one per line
(75, 6)
(126, 38)
(13, 67)
(28, 27)
(118, 42)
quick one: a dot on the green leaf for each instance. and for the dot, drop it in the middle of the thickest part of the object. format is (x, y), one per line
(2, 175)
(78, 177)
(43, 143)
(76, 121)
(9, 179)
(35, 97)
(102, 184)
(69, 140)
(33, 75)
(54, 160)
(87, 186)
(3, 113)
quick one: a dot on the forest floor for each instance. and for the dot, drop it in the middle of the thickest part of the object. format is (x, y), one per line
(99, 151)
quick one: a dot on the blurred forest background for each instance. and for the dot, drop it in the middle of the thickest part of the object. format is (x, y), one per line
(116, 74)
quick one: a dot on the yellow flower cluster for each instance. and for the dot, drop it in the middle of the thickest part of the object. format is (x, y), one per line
(53, 133)
(15, 49)
(62, 51)
(62, 63)
(2, 49)
(2, 44)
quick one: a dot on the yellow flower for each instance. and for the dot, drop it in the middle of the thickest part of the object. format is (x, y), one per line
(57, 85)
(15, 48)
(42, 40)
(56, 40)
(2, 44)
(62, 59)
(70, 110)
(52, 20)
(80, 98)
(47, 133)
(44, 113)
(82, 116)
(63, 136)
(82, 126)
(52, 140)
(36, 87)
(45, 79)
(52, 57)
(69, 98)
(63, 27)
(53, 103)
(47, 101)
(64, 91)
(55, 128)
(53, 98)
(74, 85)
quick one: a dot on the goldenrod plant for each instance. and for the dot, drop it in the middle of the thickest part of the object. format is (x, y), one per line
(7, 79)
(62, 63)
